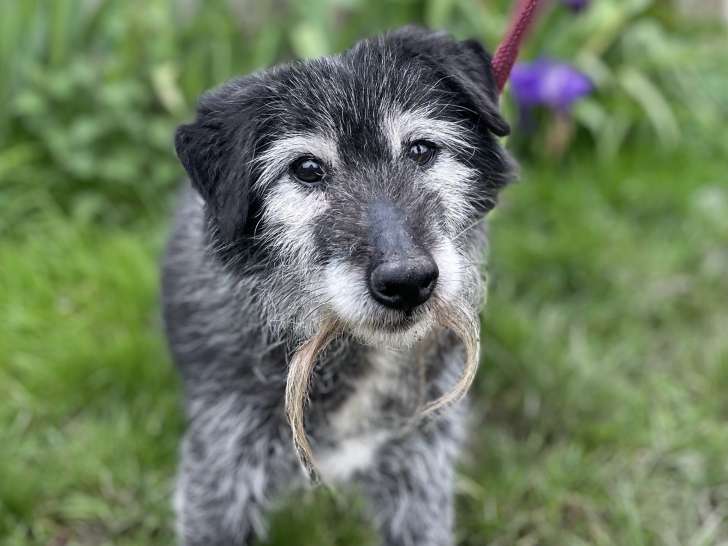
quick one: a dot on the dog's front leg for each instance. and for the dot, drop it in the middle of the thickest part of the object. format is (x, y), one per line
(410, 488)
(234, 463)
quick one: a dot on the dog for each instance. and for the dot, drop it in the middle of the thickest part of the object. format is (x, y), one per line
(340, 199)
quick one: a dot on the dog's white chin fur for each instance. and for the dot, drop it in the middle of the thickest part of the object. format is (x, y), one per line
(391, 337)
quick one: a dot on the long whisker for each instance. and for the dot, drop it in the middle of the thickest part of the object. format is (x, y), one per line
(297, 383)
(458, 318)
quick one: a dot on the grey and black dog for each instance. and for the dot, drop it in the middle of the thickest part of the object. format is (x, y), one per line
(352, 186)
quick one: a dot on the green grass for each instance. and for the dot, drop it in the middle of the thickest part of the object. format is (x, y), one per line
(600, 408)
(89, 414)
(606, 360)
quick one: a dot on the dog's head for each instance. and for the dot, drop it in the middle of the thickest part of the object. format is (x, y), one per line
(354, 181)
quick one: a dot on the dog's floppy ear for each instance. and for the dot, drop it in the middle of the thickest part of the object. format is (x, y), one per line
(464, 65)
(217, 151)
(478, 80)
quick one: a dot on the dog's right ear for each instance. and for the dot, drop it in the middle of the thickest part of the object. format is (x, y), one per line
(463, 65)
(217, 150)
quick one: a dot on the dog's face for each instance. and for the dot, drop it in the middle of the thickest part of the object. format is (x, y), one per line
(354, 181)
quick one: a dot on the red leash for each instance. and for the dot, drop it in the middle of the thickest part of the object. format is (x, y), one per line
(507, 52)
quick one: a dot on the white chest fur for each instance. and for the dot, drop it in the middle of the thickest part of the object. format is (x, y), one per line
(355, 426)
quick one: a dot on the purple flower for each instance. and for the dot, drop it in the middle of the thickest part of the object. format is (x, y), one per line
(576, 5)
(550, 83)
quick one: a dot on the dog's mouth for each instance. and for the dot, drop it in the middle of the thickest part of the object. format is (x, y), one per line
(396, 321)
(398, 326)
(391, 328)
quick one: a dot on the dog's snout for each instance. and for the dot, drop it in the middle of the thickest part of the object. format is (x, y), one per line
(403, 273)
(404, 284)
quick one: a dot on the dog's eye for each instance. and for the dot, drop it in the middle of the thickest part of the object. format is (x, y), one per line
(308, 169)
(422, 152)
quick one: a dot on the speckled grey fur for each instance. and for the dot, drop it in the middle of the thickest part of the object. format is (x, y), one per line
(237, 302)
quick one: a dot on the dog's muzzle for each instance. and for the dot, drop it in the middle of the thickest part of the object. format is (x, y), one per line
(403, 274)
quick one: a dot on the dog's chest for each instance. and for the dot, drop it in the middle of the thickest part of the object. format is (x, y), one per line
(379, 406)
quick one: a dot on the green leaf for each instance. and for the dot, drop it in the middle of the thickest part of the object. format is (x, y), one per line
(653, 103)
(309, 41)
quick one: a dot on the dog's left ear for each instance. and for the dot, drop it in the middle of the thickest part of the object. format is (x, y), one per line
(464, 65)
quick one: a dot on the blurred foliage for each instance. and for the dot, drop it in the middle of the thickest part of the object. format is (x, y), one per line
(93, 88)
(657, 78)
(606, 355)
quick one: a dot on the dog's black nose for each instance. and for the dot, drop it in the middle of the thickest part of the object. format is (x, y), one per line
(404, 284)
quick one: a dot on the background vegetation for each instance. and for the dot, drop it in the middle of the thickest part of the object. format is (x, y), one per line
(600, 408)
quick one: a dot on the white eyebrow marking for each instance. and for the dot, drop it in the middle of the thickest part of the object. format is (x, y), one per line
(450, 178)
(419, 124)
(282, 152)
